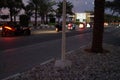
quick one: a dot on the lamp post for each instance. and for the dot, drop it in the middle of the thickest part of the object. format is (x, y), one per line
(63, 31)
(63, 62)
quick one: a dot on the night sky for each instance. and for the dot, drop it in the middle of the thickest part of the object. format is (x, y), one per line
(81, 5)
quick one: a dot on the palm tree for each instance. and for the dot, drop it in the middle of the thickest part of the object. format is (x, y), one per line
(117, 6)
(17, 8)
(98, 28)
(28, 10)
(69, 7)
(114, 6)
(41, 7)
(45, 8)
(13, 6)
(1, 5)
(35, 4)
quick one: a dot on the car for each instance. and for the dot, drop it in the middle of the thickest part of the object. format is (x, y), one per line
(58, 27)
(14, 29)
(82, 25)
(71, 26)
(0, 29)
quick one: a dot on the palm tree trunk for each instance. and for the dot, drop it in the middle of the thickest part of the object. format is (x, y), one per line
(42, 19)
(11, 14)
(58, 19)
(36, 9)
(46, 20)
(14, 18)
(98, 28)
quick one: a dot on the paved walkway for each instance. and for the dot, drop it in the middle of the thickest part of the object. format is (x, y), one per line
(85, 66)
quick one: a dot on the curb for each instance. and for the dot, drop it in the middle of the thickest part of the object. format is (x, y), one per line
(15, 75)
(18, 74)
(47, 61)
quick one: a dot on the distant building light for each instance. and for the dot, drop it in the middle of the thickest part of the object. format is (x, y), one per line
(71, 15)
(90, 15)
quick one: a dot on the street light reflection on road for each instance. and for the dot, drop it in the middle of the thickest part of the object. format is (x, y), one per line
(45, 32)
(8, 39)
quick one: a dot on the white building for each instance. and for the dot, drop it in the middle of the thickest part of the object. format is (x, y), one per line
(83, 17)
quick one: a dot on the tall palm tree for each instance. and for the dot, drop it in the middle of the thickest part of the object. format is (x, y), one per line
(0, 9)
(13, 6)
(45, 8)
(41, 7)
(28, 10)
(69, 7)
(117, 6)
(114, 6)
(17, 8)
(98, 28)
(1, 4)
(49, 9)
(35, 4)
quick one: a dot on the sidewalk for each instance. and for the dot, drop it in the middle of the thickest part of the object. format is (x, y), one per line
(85, 66)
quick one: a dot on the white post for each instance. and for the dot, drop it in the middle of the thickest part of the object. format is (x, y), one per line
(63, 63)
(63, 31)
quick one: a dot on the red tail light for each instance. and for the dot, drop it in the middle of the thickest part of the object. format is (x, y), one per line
(9, 28)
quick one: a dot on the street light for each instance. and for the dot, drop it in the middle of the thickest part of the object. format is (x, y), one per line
(63, 31)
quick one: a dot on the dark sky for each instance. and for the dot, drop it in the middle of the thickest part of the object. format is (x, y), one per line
(80, 5)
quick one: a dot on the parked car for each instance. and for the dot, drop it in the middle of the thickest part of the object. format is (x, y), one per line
(13, 29)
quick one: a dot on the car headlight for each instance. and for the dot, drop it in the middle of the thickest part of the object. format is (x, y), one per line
(0, 28)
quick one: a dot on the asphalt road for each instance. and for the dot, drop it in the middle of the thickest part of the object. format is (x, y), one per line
(37, 36)
(21, 53)
(112, 36)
